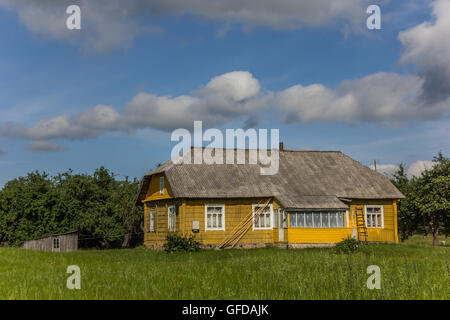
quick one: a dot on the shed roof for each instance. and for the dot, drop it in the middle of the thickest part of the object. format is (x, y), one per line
(305, 179)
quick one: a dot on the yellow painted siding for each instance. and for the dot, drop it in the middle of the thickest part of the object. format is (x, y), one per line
(190, 210)
(153, 192)
(237, 209)
(332, 235)
(388, 233)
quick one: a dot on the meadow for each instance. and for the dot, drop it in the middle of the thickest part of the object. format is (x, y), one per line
(410, 270)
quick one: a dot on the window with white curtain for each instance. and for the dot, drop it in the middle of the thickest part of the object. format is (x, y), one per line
(215, 217)
(275, 218)
(161, 185)
(264, 219)
(317, 219)
(374, 217)
(151, 221)
(172, 215)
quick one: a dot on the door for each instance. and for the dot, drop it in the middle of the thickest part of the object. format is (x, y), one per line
(281, 222)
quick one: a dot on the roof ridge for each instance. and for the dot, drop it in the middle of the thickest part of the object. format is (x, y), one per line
(284, 150)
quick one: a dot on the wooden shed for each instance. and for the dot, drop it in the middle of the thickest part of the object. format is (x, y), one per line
(62, 242)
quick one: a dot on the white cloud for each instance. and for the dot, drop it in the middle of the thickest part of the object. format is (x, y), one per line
(226, 97)
(44, 146)
(427, 46)
(386, 169)
(415, 169)
(88, 124)
(108, 24)
(381, 97)
(418, 167)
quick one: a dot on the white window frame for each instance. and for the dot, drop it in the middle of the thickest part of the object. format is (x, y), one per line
(346, 218)
(312, 212)
(382, 215)
(253, 217)
(206, 217)
(276, 212)
(56, 241)
(150, 213)
(174, 218)
(161, 185)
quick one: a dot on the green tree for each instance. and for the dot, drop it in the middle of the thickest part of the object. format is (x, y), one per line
(99, 206)
(426, 207)
(432, 196)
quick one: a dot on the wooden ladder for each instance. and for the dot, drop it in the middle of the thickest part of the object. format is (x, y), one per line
(361, 226)
(243, 227)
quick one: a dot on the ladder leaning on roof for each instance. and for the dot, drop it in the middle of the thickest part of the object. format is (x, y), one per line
(361, 225)
(243, 227)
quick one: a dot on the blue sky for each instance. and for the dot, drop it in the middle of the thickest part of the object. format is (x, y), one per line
(325, 81)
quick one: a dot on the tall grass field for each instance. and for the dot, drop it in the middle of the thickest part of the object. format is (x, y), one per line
(411, 270)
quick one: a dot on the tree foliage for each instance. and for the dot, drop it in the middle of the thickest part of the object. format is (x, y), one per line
(426, 207)
(99, 206)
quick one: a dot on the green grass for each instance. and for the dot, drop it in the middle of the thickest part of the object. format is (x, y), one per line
(412, 270)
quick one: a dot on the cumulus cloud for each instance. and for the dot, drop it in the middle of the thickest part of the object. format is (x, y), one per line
(415, 169)
(428, 48)
(385, 97)
(107, 24)
(418, 167)
(88, 124)
(386, 169)
(226, 97)
(381, 97)
(44, 146)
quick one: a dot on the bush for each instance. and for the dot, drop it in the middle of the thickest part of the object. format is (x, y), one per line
(347, 246)
(178, 243)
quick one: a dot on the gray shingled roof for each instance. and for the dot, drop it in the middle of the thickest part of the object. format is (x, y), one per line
(305, 180)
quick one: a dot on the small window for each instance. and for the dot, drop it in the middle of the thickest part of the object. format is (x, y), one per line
(171, 218)
(214, 217)
(55, 243)
(161, 185)
(374, 217)
(264, 219)
(152, 221)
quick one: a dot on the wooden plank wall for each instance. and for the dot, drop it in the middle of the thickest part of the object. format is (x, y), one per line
(67, 242)
(235, 211)
(190, 210)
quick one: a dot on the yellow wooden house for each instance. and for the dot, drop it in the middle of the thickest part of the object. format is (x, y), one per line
(317, 198)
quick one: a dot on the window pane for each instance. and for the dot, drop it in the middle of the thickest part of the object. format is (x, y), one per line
(333, 219)
(340, 219)
(369, 220)
(257, 221)
(219, 220)
(301, 219)
(275, 218)
(292, 219)
(308, 219)
(317, 223)
(379, 224)
(209, 220)
(325, 223)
